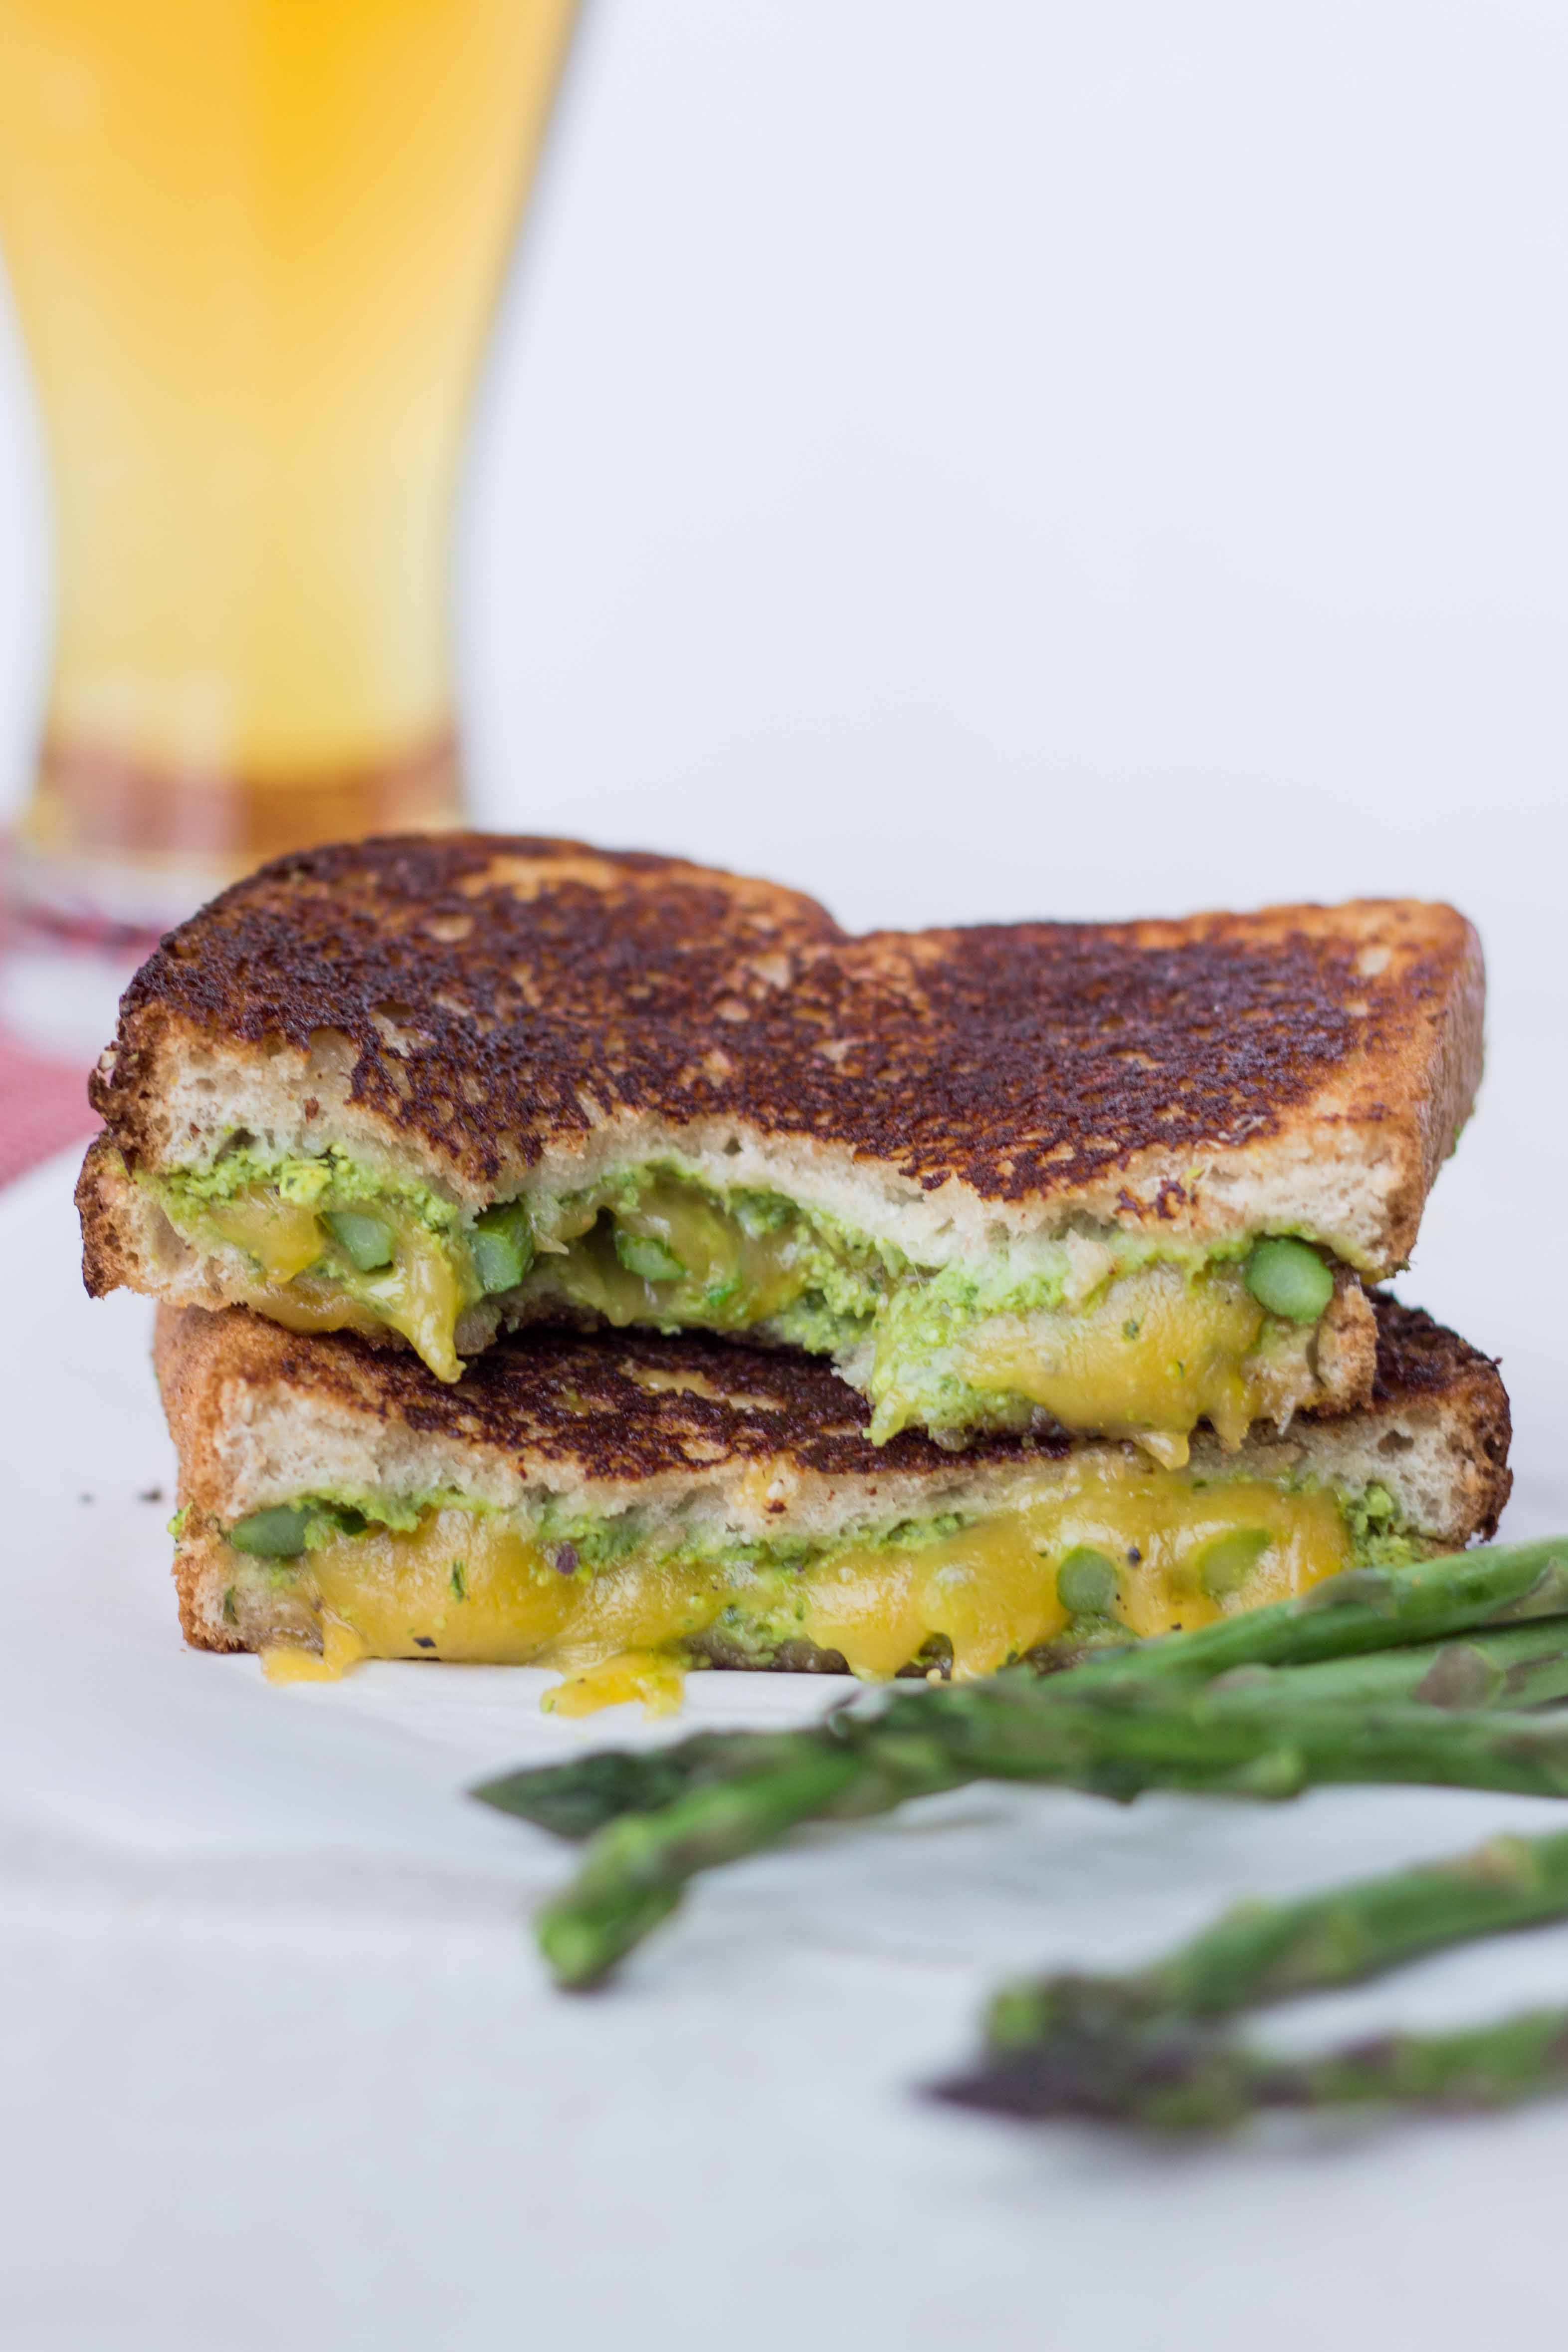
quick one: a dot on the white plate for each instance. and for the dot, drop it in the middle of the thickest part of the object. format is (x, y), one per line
(282, 2066)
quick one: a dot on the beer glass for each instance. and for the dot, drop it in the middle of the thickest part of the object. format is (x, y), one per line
(254, 246)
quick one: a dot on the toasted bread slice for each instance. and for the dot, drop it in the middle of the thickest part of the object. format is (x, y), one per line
(713, 1108)
(496, 1012)
(582, 1497)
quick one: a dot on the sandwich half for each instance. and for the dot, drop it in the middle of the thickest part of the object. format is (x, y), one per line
(622, 1507)
(1117, 1178)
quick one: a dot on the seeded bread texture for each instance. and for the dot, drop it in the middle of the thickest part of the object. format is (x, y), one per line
(491, 1013)
(748, 1444)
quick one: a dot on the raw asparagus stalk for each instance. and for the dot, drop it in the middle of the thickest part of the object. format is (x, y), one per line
(635, 1869)
(1514, 1667)
(1520, 2057)
(1250, 1742)
(1264, 1952)
(1149, 2046)
(1366, 1611)
(1195, 2078)
(572, 1800)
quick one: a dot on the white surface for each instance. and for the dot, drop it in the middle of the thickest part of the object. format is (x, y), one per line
(280, 2065)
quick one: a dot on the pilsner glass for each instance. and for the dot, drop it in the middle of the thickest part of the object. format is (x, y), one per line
(253, 246)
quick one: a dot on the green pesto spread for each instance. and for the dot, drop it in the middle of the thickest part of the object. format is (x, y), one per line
(769, 1577)
(330, 1179)
(658, 1245)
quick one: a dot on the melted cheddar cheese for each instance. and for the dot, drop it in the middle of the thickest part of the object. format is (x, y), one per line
(421, 1293)
(282, 1237)
(1149, 1359)
(292, 1662)
(741, 1277)
(634, 1675)
(479, 1589)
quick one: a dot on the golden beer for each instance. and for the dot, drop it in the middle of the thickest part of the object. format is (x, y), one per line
(254, 246)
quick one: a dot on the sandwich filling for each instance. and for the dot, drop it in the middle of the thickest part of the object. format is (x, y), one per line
(1117, 1332)
(1109, 1549)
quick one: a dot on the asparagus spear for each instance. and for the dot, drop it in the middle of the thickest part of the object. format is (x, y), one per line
(1365, 1608)
(1514, 1667)
(1520, 1667)
(1186, 2076)
(1485, 2066)
(1364, 1611)
(573, 1801)
(1242, 1742)
(1264, 1952)
(635, 1869)
(1151, 2048)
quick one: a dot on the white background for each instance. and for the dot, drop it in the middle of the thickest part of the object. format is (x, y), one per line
(1011, 459)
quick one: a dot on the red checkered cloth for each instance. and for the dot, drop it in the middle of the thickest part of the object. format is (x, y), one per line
(43, 1106)
(43, 1101)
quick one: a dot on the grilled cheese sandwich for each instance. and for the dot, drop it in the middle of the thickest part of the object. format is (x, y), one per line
(1116, 1179)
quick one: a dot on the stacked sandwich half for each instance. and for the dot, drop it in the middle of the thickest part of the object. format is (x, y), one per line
(598, 1261)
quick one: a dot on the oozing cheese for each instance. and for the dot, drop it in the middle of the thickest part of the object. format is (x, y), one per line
(282, 1237)
(1150, 1359)
(421, 1293)
(291, 1662)
(479, 1589)
(1145, 1351)
(742, 1277)
(632, 1675)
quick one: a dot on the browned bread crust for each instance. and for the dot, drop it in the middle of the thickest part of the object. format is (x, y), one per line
(663, 1420)
(110, 1258)
(481, 1004)
(1427, 1373)
(606, 1406)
